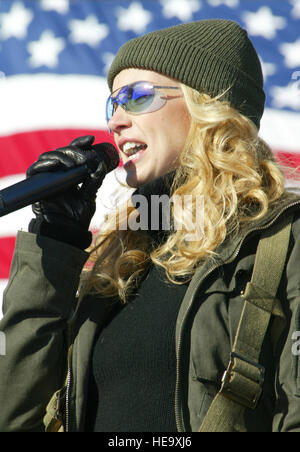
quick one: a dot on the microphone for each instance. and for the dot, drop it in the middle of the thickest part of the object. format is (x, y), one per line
(46, 184)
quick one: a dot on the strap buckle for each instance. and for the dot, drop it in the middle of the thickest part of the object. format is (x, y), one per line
(243, 380)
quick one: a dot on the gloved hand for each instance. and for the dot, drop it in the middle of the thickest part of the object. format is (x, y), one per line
(66, 217)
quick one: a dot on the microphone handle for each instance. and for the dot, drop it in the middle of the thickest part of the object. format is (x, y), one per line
(39, 187)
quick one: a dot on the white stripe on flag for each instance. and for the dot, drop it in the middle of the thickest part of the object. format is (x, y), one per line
(46, 101)
(280, 129)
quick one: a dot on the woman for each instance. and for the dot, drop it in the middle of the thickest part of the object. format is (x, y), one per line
(149, 348)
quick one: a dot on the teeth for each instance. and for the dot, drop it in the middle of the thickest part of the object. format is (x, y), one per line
(131, 157)
(131, 148)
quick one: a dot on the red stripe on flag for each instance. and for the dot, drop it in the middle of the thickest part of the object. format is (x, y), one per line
(20, 150)
(7, 246)
(290, 159)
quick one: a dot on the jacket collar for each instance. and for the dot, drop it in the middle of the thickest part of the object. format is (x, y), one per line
(287, 203)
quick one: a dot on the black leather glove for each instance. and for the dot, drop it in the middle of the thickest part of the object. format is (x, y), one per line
(66, 217)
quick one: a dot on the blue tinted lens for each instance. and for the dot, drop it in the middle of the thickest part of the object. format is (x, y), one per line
(140, 97)
(109, 109)
(113, 102)
(122, 96)
(135, 98)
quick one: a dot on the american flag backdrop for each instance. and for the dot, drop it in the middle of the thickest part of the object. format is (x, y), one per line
(55, 54)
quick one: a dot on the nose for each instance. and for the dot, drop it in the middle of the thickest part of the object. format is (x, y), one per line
(119, 120)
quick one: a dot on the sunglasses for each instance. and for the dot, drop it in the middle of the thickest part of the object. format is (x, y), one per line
(137, 98)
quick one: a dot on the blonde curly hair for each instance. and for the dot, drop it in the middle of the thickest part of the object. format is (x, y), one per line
(226, 165)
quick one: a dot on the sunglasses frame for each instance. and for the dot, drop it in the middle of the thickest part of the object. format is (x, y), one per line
(153, 106)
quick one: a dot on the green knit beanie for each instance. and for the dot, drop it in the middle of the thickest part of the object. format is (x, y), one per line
(211, 56)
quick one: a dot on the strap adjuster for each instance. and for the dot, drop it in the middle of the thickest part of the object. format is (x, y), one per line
(243, 380)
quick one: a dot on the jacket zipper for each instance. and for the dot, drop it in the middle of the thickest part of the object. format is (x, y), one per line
(68, 388)
(68, 399)
(178, 412)
(178, 415)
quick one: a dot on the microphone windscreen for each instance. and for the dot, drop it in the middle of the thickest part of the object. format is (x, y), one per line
(109, 153)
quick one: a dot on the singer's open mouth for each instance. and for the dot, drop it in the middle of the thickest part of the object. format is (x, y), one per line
(139, 152)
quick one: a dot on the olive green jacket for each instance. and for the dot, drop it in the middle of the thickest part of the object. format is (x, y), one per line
(39, 305)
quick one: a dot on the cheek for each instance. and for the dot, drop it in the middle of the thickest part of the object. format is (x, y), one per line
(167, 130)
(170, 146)
(177, 120)
(177, 129)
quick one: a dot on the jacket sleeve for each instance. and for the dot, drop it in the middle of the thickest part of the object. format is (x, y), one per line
(37, 303)
(287, 409)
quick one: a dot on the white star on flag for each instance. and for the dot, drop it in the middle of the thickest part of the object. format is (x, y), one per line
(88, 31)
(291, 53)
(287, 96)
(134, 18)
(107, 59)
(296, 8)
(268, 69)
(228, 3)
(14, 24)
(263, 23)
(182, 9)
(60, 6)
(45, 51)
